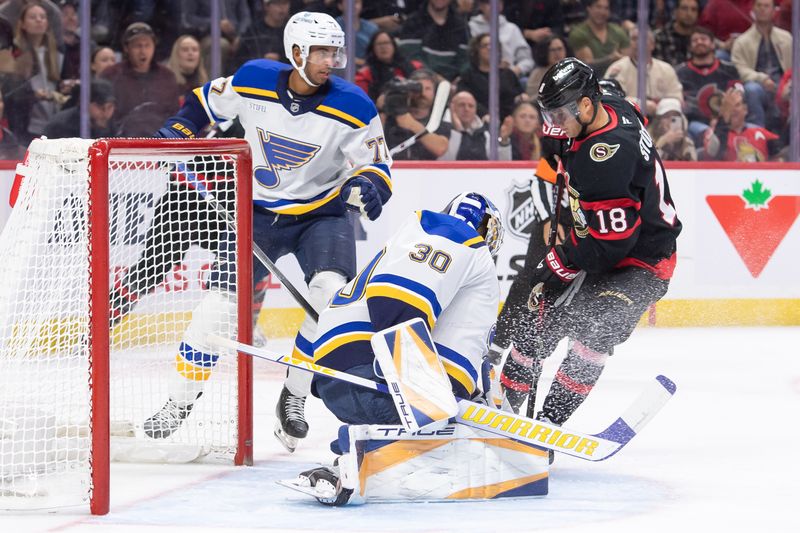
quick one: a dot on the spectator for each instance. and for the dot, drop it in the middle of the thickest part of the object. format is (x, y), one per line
(234, 21)
(475, 79)
(465, 8)
(726, 19)
(574, 14)
(597, 41)
(264, 39)
(364, 29)
(761, 55)
(102, 57)
(668, 131)
(10, 148)
(39, 62)
(408, 120)
(514, 50)
(383, 63)
(526, 144)
(164, 16)
(67, 123)
(541, 20)
(187, 64)
(436, 36)
(71, 67)
(10, 10)
(704, 78)
(546, 53)
(672, 41)
(469, 137)
(386, 14)
(146, 93)
(624, 12)
(662, 82)
(730, 138)
(662, 12)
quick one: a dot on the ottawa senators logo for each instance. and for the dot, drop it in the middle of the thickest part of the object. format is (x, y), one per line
(602, 151)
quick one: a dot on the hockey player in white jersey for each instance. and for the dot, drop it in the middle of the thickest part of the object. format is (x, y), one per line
(318, 149)
(438, 267)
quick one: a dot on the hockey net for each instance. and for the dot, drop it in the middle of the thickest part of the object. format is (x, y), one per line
(106, 254)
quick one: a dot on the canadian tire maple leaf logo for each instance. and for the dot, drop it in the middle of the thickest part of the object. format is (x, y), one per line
(756, 222)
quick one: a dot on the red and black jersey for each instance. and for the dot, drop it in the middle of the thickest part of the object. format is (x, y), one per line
(703, 87)
(622, 210)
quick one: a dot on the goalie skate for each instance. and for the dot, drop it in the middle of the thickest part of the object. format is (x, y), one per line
(322, 483)
(291, 425)
(168, 419)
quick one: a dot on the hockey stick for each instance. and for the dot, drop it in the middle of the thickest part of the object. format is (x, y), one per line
(536, 369)
(590, 447)
(209, 197)
(437, 112)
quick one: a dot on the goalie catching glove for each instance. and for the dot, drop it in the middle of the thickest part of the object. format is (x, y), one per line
(550, 278)
(359, 194)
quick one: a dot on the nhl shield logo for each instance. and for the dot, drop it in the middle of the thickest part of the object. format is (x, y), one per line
(521, 214)
(294, 107)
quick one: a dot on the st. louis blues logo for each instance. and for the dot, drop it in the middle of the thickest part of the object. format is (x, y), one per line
(281, 153)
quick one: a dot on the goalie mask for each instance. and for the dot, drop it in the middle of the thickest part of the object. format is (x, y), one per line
(481, 214)
(305, 30)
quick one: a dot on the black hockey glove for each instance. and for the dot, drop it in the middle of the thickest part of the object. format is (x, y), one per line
(368, 201)
(551, 277)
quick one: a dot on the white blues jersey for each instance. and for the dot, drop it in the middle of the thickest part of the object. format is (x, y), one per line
(302, 147)
(436, 267)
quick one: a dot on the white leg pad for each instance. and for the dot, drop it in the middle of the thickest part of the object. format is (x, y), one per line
(385, 463)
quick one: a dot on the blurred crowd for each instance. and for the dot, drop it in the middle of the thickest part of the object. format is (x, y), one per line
(718, 71)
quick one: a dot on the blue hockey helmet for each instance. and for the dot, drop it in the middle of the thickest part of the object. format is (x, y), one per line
(481, 214)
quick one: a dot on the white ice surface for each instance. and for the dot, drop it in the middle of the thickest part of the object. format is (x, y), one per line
(719, 457)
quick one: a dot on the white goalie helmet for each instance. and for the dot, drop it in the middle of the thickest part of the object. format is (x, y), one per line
(477, 210)
(307, 29)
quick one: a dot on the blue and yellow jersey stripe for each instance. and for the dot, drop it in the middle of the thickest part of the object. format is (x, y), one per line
(299, 207)
(347, 104)
(256, 93)
(303, 348)
(339, 116)
(406, 292)
(341, 336)
(463, 376)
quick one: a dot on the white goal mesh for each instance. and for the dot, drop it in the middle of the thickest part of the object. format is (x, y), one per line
(98, 288)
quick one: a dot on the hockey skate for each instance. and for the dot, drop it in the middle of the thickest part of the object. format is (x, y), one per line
(168, 419)
(322, 483)
(291, 425)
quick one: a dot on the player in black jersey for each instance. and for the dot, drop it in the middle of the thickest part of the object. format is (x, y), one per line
(620, 252)
(182, 218)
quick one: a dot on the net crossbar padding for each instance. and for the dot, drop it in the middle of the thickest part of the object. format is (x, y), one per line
(107, 255)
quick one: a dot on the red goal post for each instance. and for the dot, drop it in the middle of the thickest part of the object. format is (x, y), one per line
(88, 215)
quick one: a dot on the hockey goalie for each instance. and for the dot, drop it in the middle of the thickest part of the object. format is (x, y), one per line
(418, 316)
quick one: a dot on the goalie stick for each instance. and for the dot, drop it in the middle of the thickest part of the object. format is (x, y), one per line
(437, 112)
(590, 447)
